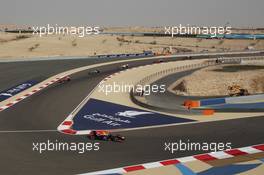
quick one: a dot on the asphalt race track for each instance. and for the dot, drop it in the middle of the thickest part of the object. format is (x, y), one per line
(48, 108)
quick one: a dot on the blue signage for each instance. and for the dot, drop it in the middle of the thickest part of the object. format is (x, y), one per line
(101, 115)
(16, 89)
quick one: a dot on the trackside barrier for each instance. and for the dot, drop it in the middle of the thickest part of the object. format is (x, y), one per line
(227, 100)
(213, 101)
(130, 55)
(249, 98)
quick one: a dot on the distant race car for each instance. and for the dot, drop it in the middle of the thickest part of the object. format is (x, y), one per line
(125, 66)
(64, 79)
(106, 136)
(96, 71)
(220, 60)
(159, 61)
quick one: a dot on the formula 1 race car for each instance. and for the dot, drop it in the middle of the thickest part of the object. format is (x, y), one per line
(158, 61)
(219, 60)
(64, 79)
(96, 71)
(125, 66)
(105, 136)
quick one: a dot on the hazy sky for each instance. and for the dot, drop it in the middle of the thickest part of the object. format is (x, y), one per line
(242, 13)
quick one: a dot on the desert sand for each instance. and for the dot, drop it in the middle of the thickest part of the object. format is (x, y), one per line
(214, 81)
(26, 45)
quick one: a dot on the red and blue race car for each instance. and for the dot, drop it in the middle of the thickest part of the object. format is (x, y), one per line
(106, 136)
